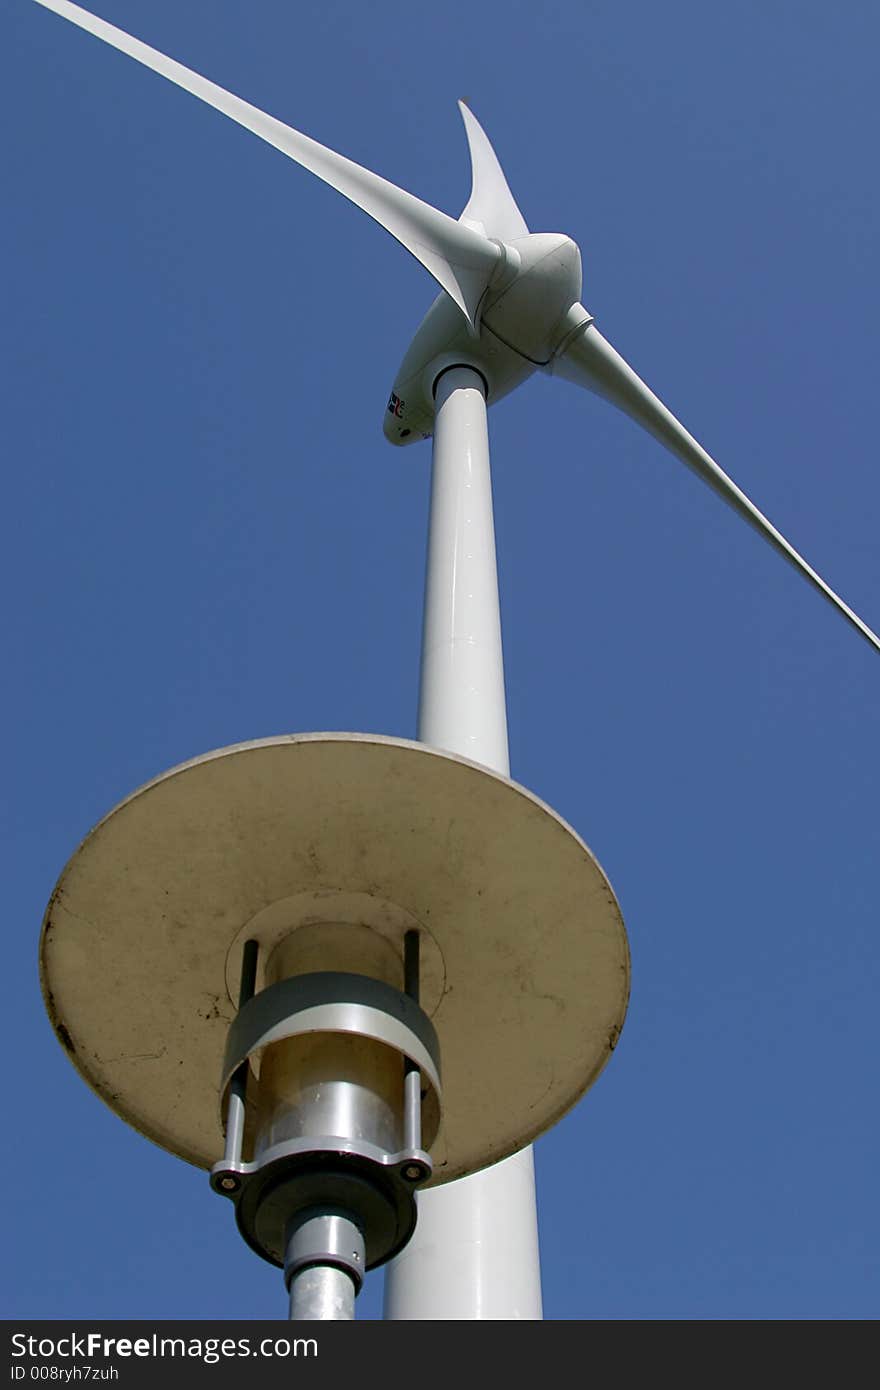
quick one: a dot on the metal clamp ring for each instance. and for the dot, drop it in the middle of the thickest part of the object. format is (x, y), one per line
(330, 1001)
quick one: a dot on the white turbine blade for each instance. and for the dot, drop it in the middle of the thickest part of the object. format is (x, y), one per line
(591, 361)
(491, 207)
(460, 259)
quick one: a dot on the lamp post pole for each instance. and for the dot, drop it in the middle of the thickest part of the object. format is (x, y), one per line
(474, 1253)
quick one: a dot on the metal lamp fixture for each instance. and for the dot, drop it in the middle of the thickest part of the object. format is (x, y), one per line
(287, 940)
(337, 1147)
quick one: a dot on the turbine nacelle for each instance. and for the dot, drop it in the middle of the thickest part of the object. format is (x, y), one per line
(528, 312)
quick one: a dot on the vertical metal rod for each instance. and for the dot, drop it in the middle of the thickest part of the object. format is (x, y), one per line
(412, 1077)
(411, 955)
(474, 1253)
(322, 1294)
(235, 1114)
(412, 1106)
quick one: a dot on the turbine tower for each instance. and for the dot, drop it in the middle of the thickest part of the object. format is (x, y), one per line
(356, 990)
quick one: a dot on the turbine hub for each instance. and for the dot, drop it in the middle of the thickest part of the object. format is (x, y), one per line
(530, 307)
(527, 312)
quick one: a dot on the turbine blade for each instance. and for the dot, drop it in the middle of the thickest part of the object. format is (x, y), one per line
(460, 259)
(590, 361)
(491, 206)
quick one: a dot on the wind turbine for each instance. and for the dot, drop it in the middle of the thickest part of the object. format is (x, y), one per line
(509, 304)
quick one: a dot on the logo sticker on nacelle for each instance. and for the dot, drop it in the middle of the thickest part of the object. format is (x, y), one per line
(396, 406)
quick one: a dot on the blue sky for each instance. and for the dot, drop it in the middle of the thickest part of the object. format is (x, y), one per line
(207, 539)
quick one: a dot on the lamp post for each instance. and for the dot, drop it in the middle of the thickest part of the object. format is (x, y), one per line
(333, 853)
